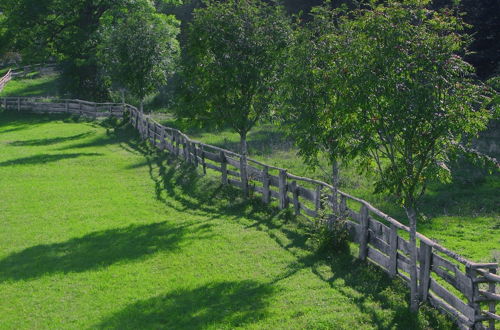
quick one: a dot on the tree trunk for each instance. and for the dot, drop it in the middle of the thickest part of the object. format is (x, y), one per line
(243, 163)
(123, 96)
(412, 216)
(142, 106)
(335, 184)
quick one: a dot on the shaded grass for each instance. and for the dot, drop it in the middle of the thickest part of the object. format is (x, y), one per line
(462, 216)
(130, 238)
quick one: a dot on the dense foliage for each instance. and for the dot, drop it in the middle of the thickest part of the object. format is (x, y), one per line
(139, 52)
(389, 87)
(234, 54)
(67, 31)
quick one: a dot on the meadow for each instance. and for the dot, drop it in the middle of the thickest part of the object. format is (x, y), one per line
(101, 231)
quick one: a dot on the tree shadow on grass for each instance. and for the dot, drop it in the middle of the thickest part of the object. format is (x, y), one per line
(50, 141)
(44, 159)
(369, 287)
(99, 249)
(220, 305)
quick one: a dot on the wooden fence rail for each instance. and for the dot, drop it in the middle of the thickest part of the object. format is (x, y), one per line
(5, 79)
(465, 290)
(77, 107)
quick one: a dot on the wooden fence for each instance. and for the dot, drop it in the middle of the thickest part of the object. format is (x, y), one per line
(78, 107)
(5, 79)
(27, 69)
(465, 290)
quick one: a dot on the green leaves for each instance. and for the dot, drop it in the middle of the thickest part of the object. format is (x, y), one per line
(233, 57)
(140, 51)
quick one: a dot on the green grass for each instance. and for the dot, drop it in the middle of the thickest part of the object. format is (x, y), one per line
(46, 85)
(99, 231)
(463, 216)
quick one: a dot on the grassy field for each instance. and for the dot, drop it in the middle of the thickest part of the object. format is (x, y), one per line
(98, 231)
(47, 85)
(464, 215)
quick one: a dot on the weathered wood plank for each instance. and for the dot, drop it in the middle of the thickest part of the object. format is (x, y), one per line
(393, 251)
(363, 243)
(283, 198)
(236, 183)
(404, 245)
(308, 211)
(214, 167)
(451, 299)
(307, 193)
(378, 257)
(425, 260)
(266, 195)
(377, 242)
(444, 306)
(379, 229)
(211, 156)
(404, 266)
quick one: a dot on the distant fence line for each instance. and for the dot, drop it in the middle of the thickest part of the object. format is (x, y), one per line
(463, 289)
(76, 107)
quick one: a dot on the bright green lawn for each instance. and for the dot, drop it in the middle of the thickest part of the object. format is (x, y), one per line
(46, 85)
(463, 216)
(99, 232)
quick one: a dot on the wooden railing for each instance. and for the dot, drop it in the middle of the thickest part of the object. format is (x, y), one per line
(5, 79)
(465, 290)
(48, 105)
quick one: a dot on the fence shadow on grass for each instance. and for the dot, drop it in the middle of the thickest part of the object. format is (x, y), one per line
(99, 249)
(230, 304)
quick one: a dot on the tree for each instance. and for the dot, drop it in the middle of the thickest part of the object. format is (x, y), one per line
(314, 110)
(140, 51)
(234, 55)
(67, 30)
(414, 98)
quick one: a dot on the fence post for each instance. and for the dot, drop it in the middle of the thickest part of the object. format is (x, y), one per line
(425, 270)
(162, 139)
(492, 304)
(203, 162)
(317, 199)
(223, 165)
(18, 104)
(66, 106)
(473, 299)
(195, 155)
(185, 150)
(283, 201)
(176, 140)
(295, 192)
(363, 240)
(393, 251)
(243, 175)
(79, 108)
(266, 193)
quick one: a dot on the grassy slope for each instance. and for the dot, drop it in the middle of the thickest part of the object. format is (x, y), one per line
(47, 85)
(463, 217)
(99, 232)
